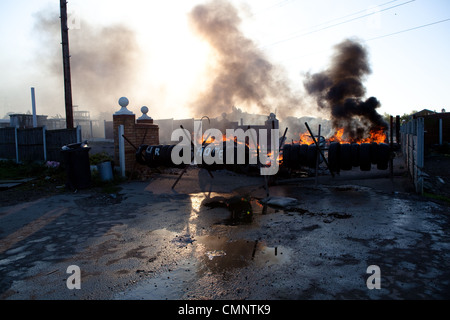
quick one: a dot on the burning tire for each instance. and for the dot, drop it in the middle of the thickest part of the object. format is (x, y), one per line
(383, 155)
(355, 155)
(373, 153)
(334, 156)
(287, 155)
(365, 162)
(303, 154)
(345, 157)
(294, 159)
(312, 156)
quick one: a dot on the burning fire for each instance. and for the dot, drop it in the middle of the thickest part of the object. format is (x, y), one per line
(304, 138)
(377, 136)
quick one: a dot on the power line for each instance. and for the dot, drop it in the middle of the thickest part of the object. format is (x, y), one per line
(407, 30)
(338, 24)
(384, 36)
(276, 5)
(349, 15)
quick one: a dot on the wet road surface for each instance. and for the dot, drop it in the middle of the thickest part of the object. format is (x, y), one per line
(152, 242)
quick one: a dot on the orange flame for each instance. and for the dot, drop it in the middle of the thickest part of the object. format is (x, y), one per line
(377, 136)
(338, 136)
(304, 138)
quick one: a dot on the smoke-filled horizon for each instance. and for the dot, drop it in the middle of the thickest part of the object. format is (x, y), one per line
(103, 61)
(340, 91)
(241, 75)
(106, 60)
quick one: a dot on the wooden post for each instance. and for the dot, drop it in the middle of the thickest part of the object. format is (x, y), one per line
(317, 157)
(66, 65)
(397, 129)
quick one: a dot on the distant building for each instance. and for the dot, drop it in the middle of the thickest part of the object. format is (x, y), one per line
(167, 126)
(90, 128)
(424, 112)
(24, 121)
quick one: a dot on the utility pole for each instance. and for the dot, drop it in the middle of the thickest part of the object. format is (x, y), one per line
(66, 64)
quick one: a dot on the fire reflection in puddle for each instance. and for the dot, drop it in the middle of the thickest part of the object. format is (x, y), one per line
(241, 208)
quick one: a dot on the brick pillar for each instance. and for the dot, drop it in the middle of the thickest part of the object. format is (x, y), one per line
(142, 131)
(146, 131)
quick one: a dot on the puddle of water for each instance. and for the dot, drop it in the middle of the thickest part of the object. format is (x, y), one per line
(273, 255)
(219, 254)
(242, 209)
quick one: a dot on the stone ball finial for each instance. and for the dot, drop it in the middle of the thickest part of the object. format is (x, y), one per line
(123, 102)
(144, 116)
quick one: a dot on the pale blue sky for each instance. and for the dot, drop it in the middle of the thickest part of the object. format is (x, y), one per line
(409, 70)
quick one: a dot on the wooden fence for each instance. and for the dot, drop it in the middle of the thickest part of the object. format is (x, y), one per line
(35, 144)
(413, 150)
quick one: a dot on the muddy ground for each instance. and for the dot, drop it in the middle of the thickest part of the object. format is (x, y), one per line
(216, 238)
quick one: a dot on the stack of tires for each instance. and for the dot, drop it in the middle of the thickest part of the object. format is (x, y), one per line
(156, 156)
(346, 156)
(343, 156)
(296, 156)
(161, 156)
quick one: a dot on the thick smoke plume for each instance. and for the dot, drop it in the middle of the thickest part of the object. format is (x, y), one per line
(103, 61)
(242, 75)
(340, 90)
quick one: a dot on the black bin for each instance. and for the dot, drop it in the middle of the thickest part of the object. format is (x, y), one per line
(76, 161)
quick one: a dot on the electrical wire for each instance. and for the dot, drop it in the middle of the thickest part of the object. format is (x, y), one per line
(382, 36)
(276, 5)
(407, 30)
(337, 24)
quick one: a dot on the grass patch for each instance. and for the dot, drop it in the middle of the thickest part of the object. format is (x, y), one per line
(10, 170)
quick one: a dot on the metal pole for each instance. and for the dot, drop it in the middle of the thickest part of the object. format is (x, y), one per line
(121, 130)
(16, 142)
(33, 105)
(79, 136)
(440, 132)
(397, 129)
(66, 65)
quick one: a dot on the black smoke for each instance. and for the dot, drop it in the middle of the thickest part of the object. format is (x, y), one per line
(104, 60)
(340, 90)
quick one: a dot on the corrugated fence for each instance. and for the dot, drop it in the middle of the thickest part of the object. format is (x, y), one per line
(413, 149)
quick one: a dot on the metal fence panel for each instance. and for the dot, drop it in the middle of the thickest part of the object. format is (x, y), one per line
(55, 139)
(35, 144)
(413, 150)
(7, 143)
